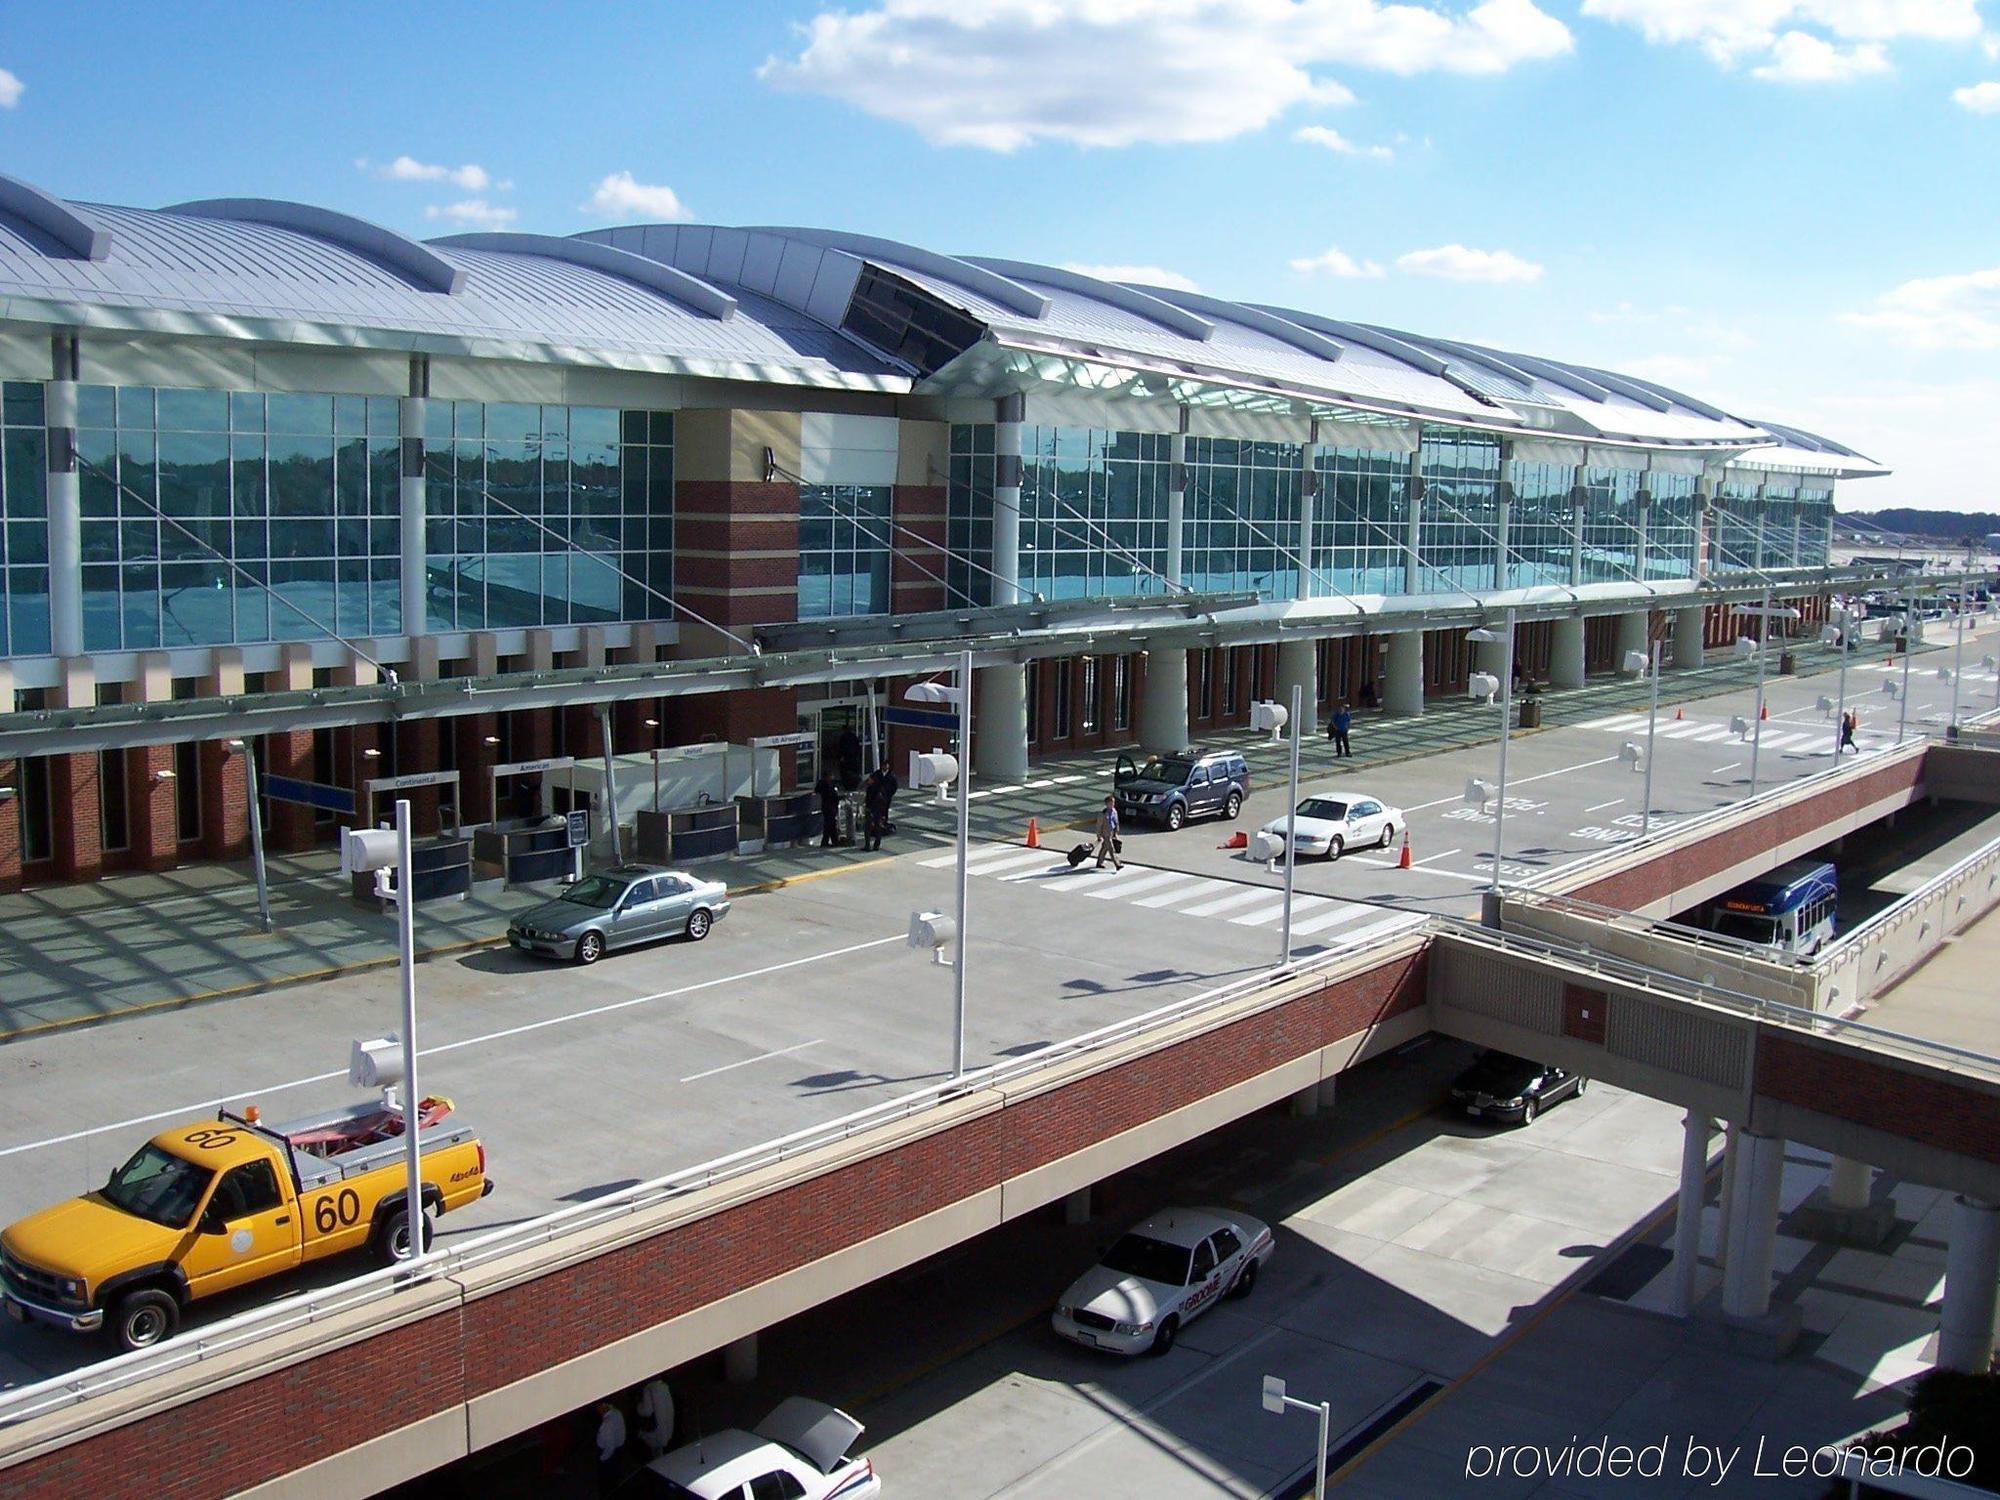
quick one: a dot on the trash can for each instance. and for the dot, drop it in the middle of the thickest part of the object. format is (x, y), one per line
(1531, 713)
(1787, 663)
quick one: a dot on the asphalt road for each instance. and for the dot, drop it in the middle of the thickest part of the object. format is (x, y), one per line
(806, 1004)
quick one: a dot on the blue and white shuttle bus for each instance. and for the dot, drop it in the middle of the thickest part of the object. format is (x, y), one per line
(1793, 908)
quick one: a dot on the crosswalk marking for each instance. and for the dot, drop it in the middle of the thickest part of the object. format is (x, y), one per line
(1125, 885)
(1301, 905)
(1324, 920)
(1019, 859)
(1196, 885)
(1227, 903)
(1685, 730)
(1613, 723)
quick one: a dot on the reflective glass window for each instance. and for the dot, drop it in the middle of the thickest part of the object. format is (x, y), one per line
(844, 550)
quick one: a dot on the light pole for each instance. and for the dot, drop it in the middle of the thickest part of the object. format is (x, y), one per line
(1275, 1401)
(1636, 661)
(1909, 641)
(1488, 635)
(1958, 655)
(1291, 826)
(1765, 614)
(1837, 633)
(380, 852)
(960, 694)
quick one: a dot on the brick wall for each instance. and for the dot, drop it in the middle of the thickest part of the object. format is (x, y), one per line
(78, 835)
(1925, 1105)
(225, 803)
(10, 828)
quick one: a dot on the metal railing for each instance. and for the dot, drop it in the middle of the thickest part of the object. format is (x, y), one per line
(307, 1308)
(1897, 940)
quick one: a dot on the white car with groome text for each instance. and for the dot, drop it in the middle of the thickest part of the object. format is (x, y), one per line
(1328, 824)
(1160, 1276)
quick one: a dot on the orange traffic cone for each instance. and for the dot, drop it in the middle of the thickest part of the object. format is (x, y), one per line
(1034, 834)
(1238, 840)
(1677, 716)
(1764, 711)
(1403, 859)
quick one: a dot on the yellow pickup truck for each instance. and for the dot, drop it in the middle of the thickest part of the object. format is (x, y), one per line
(206, 1207)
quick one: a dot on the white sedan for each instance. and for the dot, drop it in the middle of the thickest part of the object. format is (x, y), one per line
(799, 1451)
(1159, 1276)
(1330, 826)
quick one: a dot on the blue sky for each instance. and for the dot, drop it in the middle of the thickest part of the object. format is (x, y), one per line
(1784, 206)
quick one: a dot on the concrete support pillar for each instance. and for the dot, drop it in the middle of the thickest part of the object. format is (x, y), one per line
(1305, 1103)
(1732, 1156)
(64, 499)
(1403, 693)
(1695, 1132)
(414, 589)
(1971, 1272)
(1634, 634)
(1177, 510)
(1006, 562)
(1298, 666)
(1566, 653)
(1753, 1227)
(1703, 520)
(1413, 537)
(739, 1360)
(1689, 648)
(1076, 1207)
(1850, 1184)
(1000, 724)
(1163, 711)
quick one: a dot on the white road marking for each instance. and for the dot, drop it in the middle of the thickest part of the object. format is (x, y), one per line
(1122, 888)
(1348, 912)
(1686, 730)
(1730, 767)
(1418, 864)
(1200, 885)
(1227, 903)
(1614, 802)
(184, 1110)
(1711, 734)
(1027, 862)
(1602, 760)
(729, 1067)
(1613, 722)
(1276, 913)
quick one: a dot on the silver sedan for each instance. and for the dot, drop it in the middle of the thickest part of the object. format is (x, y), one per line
(619, 908)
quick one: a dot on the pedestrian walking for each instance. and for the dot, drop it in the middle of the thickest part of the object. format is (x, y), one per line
(1107, 834)
(1338, 726)
(828, 792)
(656, 1413)
(875, 808)
(1847, 721)
(890, 786)
(610, 1444)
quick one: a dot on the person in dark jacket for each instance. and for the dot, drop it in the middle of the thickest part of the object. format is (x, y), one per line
(1337, 729)
(828, 792)
(890, 786)
(849, 755)
(875, 806)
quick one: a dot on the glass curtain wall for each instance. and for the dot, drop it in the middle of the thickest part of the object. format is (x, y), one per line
(843, 550)
(1243, 503)
(1541, 524)
(1362, 520)
(1093, 512)
(1781, 512)
(535, 512)
(1815, 523)
(24, 544)
(1672, 529)
(1610, 523)
(1733, 527)
(1461, 512)
(969, 515)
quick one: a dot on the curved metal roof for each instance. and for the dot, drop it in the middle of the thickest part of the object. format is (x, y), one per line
(770, 304)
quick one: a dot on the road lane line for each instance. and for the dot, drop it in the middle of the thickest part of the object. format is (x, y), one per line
(1300, 904)
(184, 1110)
(1614, 802)
(1321, 921)
(1126, 888)
(1730, 767)
(1602, 760)
(729, 1067)
(1202, 886)
(1431, 859)
(1227, 903)
(1024, 861)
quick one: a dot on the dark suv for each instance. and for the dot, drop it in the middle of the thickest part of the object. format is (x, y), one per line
(1170, 789)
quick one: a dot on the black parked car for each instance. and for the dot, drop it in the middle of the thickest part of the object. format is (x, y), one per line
(1170, 789)
(1501, 1086)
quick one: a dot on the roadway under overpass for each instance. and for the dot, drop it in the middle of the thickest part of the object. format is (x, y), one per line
(514, 1327)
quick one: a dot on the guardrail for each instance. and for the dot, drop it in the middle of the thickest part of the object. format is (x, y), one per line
(1655, 981)
(1626, 921)
(307, 1308)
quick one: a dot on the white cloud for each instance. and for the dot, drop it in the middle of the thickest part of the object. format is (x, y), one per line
(1173, 281)
(1939, 312)
(1980, 98)
(472, 177)
(1800, 57)
(475, 212)
(1686, 371)
(1795, 41)
(11, 89)
(1462, 263)
(1333, 140)
(1003, 74)
(619, 196)
(1336, 262)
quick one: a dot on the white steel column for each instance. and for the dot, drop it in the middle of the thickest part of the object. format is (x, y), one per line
(1308, 501)
(1566, 653)
(1753, 1227)
(1971, 1271)
(414, 511)
(1503, 494)
(1695, 1132)
(1578, 501)
(1850, 1184)
(1000, 746)
(1403, 693)
(64, 500)
(1413, 539)
(1177, 505)
(1641, 507)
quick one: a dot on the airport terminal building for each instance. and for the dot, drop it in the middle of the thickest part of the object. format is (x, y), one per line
(254, 447)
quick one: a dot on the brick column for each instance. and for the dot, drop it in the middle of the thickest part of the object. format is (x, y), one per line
(476, 760)
(291, 754)
(75, 808)
(225, 783)
(352, 767)
(917, 509)
(10, 827)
